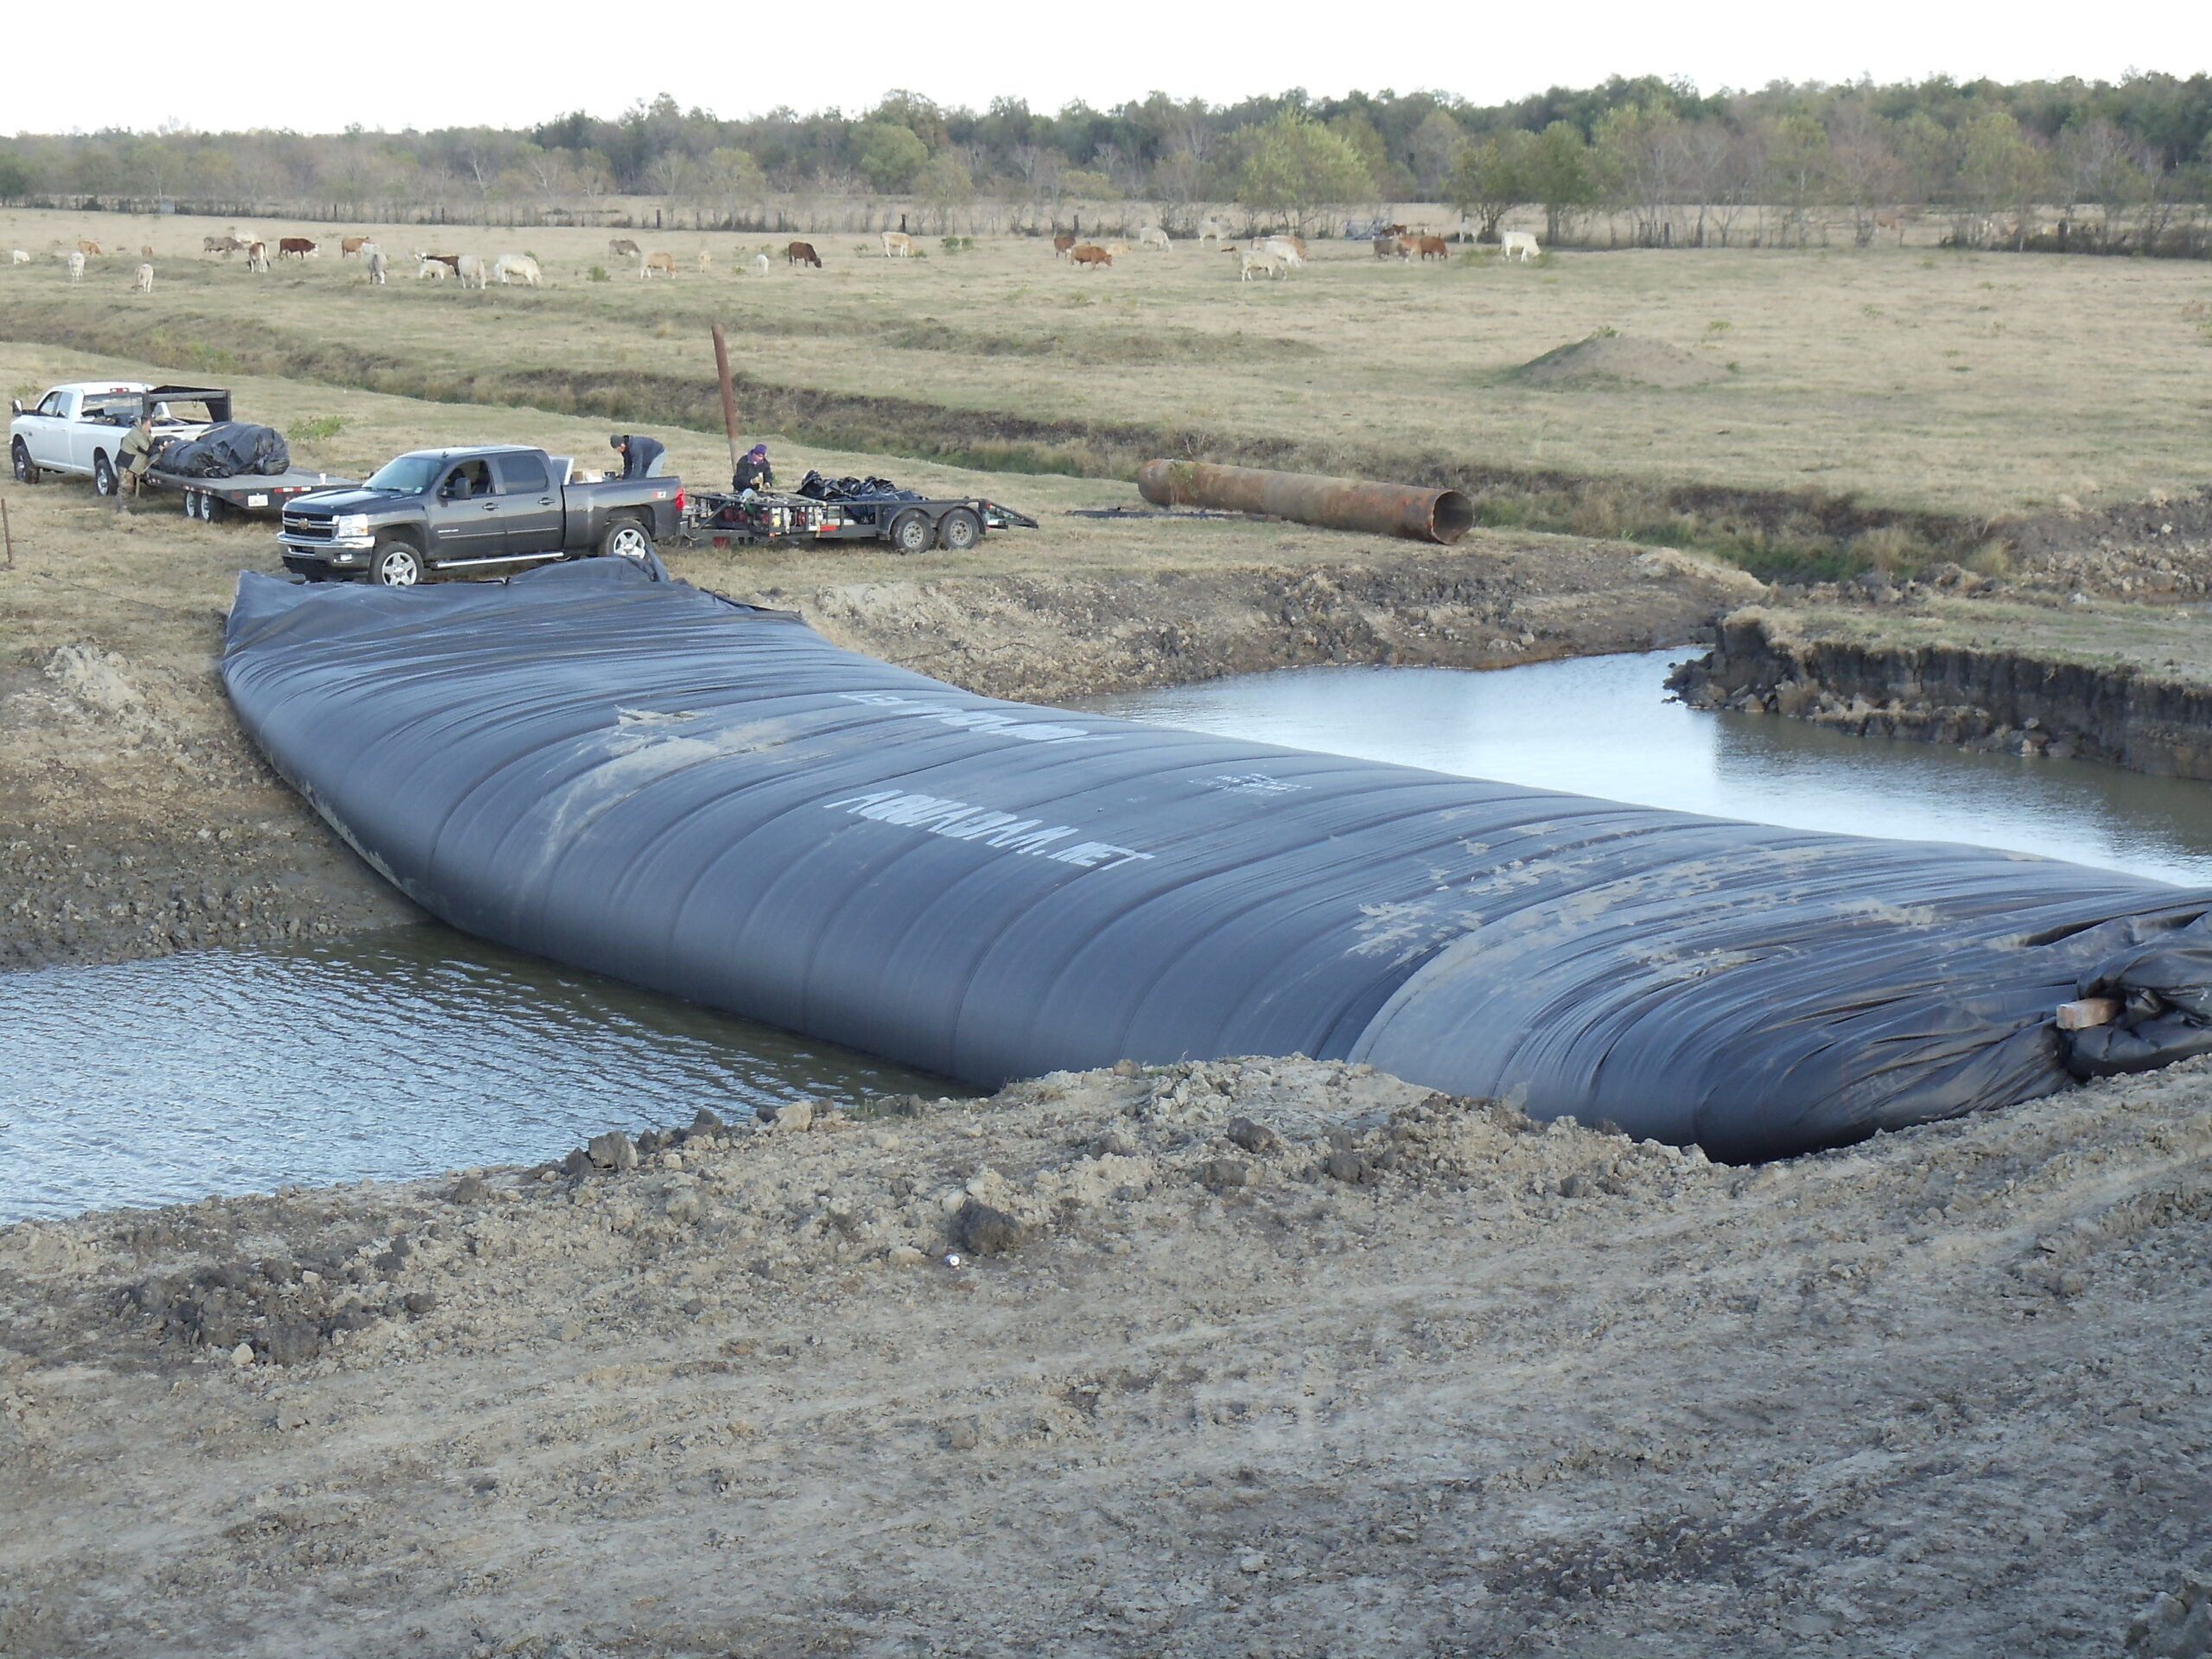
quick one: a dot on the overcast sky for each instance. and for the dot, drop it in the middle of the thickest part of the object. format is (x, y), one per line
(393, 63)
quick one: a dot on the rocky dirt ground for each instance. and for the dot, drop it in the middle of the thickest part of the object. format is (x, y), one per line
(1249, 1357)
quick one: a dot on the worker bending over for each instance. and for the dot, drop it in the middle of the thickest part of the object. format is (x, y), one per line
(753, 473)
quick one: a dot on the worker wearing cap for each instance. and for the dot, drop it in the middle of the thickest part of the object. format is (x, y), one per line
(753, 473)
(640, 454)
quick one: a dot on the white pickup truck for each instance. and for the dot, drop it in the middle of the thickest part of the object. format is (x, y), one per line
(79, 428)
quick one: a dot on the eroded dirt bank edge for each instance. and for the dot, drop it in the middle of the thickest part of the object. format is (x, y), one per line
(1258, 1356)
(2026, 701)
(149, 824)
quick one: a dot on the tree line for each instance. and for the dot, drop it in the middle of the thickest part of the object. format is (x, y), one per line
(2107, 166)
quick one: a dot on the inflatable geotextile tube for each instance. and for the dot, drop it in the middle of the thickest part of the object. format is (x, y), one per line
(623, 773)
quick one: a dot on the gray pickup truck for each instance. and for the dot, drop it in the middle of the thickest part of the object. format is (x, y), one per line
(437, 510)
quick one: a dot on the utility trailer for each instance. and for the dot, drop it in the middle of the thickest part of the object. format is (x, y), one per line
(248, 494)
(910, 525)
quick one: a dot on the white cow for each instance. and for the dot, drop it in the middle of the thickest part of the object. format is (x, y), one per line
(435, 270)
(761, 265)
(519, 266)
(373, 257)
(897, 244)
(1210, 230)
(1150, 236)
(472, 272)
(144, 282)
(257, 256)
(706, 263)
(76, 266)
(1276, 247)
(17, 257)
(1520, 242)
(1266, 265)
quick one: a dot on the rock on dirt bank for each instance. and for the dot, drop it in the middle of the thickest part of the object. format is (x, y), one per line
(1260, 1357)
(2025, 701)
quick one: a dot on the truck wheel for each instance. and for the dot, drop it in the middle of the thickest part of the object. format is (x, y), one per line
(626, 539)
(20, 454)
(960, 530)
(911, 532)
(103, 475)
(395, 564)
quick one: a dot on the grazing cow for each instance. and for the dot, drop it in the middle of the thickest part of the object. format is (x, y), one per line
(436, 270)
(1117, 248)
(1432, 247)
(90, 250)
(761, 265)
(1150, 236)
(623, 248)
(1061, 246)
(1266, 265)
(18, 257)
(1288, 248)
(1388, 247)
(350, 247)
(226, 245)
(294, 247)
(521, 268)
(1520, 242)
(663, 263)
(257, 256)
(802, 253)
(474, 272)
(76, 266)
(146, 252)
(375, 261)
(144, 282)
(1209, 230)
(1089, 255)
(897, 244)
(450, 261)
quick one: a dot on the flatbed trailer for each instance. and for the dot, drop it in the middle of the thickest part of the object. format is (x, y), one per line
(910, 525)
(246, 495)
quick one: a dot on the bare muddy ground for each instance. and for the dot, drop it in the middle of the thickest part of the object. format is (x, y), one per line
(1263, 1357)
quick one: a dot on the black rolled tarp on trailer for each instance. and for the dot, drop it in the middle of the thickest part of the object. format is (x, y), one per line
(631, 776)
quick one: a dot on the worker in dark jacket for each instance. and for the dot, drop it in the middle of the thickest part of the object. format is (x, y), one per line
(753, 473)
(640, 454)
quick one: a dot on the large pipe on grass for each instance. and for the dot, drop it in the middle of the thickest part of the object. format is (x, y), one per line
(1303, 498)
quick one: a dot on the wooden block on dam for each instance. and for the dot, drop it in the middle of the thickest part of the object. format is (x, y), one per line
(2089, 1011)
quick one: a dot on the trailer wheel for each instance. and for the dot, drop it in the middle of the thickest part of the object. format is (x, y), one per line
(911, 532)
(103, 475)
(212, 508)
(395, 564)
(960, 530)
(20, 454)
(626, 539)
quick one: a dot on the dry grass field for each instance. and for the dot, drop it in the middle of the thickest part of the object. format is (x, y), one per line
(1964, 385)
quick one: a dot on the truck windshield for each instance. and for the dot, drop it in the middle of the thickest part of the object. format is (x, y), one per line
(409, 475)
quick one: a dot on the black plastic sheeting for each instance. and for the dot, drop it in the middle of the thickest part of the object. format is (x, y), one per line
(632, 776)
(233, 449)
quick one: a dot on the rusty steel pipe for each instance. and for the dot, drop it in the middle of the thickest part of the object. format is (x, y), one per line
(1332, 503)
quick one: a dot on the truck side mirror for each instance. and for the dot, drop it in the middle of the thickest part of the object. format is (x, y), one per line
(15, 405)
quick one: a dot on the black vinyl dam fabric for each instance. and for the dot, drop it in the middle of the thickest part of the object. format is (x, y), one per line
(626, 774)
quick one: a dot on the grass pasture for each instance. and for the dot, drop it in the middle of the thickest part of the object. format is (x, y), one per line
(1940, 389)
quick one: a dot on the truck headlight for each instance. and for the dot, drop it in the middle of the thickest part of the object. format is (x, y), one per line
(349, 523)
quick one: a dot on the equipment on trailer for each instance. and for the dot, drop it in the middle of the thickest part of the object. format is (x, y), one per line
(910, 521)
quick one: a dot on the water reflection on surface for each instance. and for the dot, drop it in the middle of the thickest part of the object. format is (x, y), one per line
(1602, 726)
(399, 1055)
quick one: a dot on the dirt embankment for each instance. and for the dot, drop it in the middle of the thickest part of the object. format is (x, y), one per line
(1251, 1357)
(142, 822)
(2063, 697)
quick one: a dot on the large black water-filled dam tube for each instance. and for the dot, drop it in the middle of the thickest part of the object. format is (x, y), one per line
(636, 777)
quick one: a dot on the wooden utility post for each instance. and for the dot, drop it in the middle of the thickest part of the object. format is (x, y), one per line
(729, 396)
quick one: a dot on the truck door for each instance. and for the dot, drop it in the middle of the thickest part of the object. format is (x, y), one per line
(47, 434)
(464, 512)
(530, 506)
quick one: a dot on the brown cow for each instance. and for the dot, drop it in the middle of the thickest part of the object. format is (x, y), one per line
(1388, 247)
(294, 247)
(1089, 255)
(1432, 247)
(90, 250)
(1061, 245)
(146, 252)
(802, 253)
(450, 261)
(349, 247)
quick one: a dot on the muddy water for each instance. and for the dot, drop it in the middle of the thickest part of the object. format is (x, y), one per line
(1603, 726)
(412, 1052)
(399, 1055)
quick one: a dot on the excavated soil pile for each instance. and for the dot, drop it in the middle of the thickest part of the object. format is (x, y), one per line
(1259, 1357)
(1605, 360)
